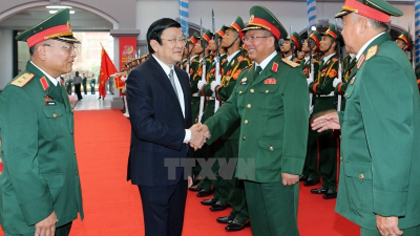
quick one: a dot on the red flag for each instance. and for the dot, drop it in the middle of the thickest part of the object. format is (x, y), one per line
(107, 69)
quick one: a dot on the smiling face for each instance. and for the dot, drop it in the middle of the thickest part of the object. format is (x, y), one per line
(170, 51)
(260, 44)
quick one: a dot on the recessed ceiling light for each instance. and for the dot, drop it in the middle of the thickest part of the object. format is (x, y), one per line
(58, 7)
(55, 11)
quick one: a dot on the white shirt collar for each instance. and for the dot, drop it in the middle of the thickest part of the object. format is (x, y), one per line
(53, 80)
(267, 60)
(289, 57)
(359, 54)
(325, 59)
(230, 57)
(165, 67)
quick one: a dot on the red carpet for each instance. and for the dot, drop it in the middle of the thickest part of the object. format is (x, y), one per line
(112, 205)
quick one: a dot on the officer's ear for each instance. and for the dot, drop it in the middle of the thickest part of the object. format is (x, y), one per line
(41, 51)
(155, 45)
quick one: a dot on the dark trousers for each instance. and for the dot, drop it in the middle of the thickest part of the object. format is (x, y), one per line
(63, 230)
(163, 208)
(77, 91)
(272, 208)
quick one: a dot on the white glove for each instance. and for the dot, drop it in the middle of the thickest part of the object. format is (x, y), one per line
(310, 80)
(336, 82)
(213, 85)
(200, 84)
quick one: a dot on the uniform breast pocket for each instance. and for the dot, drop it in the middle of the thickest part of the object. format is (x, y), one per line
(53, 123)
(269, 97)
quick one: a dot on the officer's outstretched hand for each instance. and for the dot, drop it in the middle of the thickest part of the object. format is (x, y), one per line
(199, 135)
(289, 179)
(325, 121)
(46, 227)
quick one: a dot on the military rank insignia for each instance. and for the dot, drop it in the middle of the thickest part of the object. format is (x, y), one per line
(23, 79)
(275, 67)
(49, 101)
(270, 81)
(361, 60)
(44, 83)
(371, 52)
(352, 80)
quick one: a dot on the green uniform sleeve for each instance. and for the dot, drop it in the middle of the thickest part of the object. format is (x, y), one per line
(19, 123)
(389, 131)
(296, 124)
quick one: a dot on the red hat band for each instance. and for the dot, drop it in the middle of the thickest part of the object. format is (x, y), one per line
(221, 33)
(331, 33)
(316, 40)
(206, 37)
(193, 40)
(60, 30)
(266, 25)
(296, 42)
(366, 11)
(238, 29)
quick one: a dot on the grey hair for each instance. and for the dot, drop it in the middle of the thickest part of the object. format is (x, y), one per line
(377, 25)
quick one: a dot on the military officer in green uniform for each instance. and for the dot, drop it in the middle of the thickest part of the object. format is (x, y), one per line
(403, 41)
(40, 185)
(311, 48)
(380, 153)
(323, 91)
(231, 189)
(270, 102)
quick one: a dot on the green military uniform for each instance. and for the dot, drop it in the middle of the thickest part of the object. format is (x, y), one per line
(380, 151)
(348, 65)
(36, 129)
(272, 108)
(326, 144)
(194, 78)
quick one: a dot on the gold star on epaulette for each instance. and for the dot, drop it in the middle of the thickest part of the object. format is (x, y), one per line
(23, 79)
(290, 63)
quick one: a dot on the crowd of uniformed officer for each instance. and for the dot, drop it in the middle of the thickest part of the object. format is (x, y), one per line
(327, 69)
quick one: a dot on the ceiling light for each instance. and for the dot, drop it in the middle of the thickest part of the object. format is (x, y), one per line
(58, 7)
(55, 11)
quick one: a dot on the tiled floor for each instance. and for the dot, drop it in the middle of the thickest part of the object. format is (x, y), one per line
(91, 102)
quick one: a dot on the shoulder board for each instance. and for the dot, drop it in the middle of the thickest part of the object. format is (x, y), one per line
(23, 79)
(290, 63)
(371, 52)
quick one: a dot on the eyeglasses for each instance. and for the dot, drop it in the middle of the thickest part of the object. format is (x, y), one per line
(252, 38)
(176, 40)
(71, 48)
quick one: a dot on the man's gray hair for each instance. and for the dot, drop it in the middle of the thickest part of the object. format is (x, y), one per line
(377, 25)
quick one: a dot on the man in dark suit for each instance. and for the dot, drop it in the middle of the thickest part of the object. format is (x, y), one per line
(159, 98)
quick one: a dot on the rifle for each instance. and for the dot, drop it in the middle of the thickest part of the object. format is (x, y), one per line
(312, 68)
(217, 59)
(203, 73)
(340, 72)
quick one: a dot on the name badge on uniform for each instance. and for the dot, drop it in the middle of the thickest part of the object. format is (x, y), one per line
(270, 81)
(49, 101)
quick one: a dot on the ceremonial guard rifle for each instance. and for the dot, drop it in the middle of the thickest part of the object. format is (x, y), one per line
(292, 44)
(203, 72)
(340, 71)
(217, 59)
(312, 67)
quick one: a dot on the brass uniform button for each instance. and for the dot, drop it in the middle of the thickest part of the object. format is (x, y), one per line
(341, 159)
(249, 106)
(240, 91)
(77, 172)
(55, 115)
(244, 138)
(245, 121)
(341, 137)
(266, 91)
(251, 90)
(271, 148)
(361, 176)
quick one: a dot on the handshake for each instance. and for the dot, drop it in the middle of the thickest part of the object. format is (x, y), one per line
(199, 135)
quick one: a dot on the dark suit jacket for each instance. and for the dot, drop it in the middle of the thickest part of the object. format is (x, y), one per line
(157, 124)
